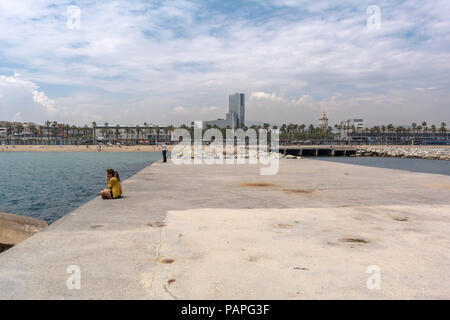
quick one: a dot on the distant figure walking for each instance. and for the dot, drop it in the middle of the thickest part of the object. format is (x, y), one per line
(114, 190)
(164, 152)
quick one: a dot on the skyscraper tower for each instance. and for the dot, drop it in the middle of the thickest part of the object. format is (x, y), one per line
(237, 106)
(235, 118)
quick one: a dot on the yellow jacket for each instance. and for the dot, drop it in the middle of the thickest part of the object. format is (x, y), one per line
(115, 186)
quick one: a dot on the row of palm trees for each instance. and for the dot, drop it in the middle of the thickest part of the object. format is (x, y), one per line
(292, 131)
(288, 132)
(135, 133)
(55, 131)
(423, 128)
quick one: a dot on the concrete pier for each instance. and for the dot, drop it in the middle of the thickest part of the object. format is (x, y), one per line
(224, 232)
(316, 151)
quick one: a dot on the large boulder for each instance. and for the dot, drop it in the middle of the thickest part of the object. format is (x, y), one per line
(15, 228)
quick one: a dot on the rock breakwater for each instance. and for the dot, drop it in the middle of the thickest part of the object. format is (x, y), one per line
(414, 152)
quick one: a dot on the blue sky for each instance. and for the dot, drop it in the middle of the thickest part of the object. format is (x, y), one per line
(171, 62)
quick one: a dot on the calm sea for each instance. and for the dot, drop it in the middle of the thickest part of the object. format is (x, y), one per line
(415, 165)
(49, 185)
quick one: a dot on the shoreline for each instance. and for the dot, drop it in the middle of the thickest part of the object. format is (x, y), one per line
(81, 148)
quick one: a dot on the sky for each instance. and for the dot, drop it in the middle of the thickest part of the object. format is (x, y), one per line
(176, 61)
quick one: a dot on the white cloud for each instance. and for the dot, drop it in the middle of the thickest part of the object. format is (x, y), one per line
(264, 95)
(43, 100)
(17, 117)
(144, 60)
(22, 101)
(428, 89)
(180, 110)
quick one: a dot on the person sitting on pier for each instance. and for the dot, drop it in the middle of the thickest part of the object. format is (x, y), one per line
(114, 190)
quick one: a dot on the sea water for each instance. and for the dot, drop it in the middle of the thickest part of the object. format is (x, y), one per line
(48, 185)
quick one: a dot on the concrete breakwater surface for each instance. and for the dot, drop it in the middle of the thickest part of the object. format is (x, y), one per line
(315, 230)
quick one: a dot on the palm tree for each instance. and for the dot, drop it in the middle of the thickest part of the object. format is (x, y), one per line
(33, 130)
(47, 124)
(146, 130)
(105, 130)
(117, 132)
(54, 129)
(443, 127)
(424, 126)
(66, 129)
(170, 128)
(127, 130)
(158, 129)
(94, 126)
(85, 130)
(433, 128)
(390, 128)
(19, 130)
(132, 133)
(75, 132)
(138, 131)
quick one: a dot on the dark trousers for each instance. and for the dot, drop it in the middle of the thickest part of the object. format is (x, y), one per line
(164, 156)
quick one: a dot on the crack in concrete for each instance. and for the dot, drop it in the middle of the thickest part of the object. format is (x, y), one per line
(168, 291)
(158, 255)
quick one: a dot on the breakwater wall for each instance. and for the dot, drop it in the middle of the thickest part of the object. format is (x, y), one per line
(415, 152)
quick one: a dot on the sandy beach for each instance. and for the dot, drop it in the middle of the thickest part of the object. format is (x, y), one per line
(80, 148)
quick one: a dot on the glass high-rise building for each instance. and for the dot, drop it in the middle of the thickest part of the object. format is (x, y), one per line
(237, 106)
(236, 113)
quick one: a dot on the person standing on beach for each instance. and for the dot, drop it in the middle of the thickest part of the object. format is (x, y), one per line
(164, 152)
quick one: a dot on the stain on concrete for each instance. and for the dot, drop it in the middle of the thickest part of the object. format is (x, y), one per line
(438, 186)
(284, 226)
(167, 260)
(170, 281)
(353, 240)
(299, 191)
(400, 218)
(97, 226)
(301, 268)
(257, 184)
(157, 224)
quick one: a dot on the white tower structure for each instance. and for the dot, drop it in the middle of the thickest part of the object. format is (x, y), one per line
(323, 121)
